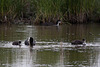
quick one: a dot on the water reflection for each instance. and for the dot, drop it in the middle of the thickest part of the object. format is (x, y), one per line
(48, 58)
(53, 48)
(24, 58)
(65, 33)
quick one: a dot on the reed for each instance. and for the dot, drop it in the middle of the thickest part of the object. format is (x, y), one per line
(73, 11)
(48, 10)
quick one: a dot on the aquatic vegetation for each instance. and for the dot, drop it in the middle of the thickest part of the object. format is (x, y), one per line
(73, 11)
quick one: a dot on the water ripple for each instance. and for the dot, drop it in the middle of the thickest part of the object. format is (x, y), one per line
(47, 45)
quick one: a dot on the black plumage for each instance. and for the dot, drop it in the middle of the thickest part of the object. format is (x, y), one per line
(17, 43)
(30, 42)
(50, 23)
(77, 42)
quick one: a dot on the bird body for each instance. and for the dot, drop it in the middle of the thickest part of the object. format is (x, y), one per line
(26, 42)
(16, 43)
(30, 42)
(78, 42)
(50, 23)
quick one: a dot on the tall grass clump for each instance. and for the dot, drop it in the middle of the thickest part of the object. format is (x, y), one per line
(73, 11)
(96, 12)
(48, 10)
(78, 10)
(11, 9)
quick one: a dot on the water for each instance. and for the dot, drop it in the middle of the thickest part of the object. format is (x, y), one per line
(53, 48)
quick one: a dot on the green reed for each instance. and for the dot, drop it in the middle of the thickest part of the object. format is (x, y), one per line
(50, 10)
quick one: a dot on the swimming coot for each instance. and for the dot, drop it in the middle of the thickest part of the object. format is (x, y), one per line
(78, 42)
(17, 43)
(51, 23)
(30, 42)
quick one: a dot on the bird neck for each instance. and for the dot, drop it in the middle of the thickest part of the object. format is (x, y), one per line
(58, 24)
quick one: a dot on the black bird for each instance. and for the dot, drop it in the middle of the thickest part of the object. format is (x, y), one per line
(30, 42)
(78, 42)
(17, 43)
(50, 23)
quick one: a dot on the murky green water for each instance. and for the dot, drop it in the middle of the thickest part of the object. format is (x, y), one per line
(53, 48)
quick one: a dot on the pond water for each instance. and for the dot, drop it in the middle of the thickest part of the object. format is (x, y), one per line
(53, 47)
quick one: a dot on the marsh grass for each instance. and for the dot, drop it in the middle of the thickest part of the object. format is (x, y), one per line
(73, 11)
